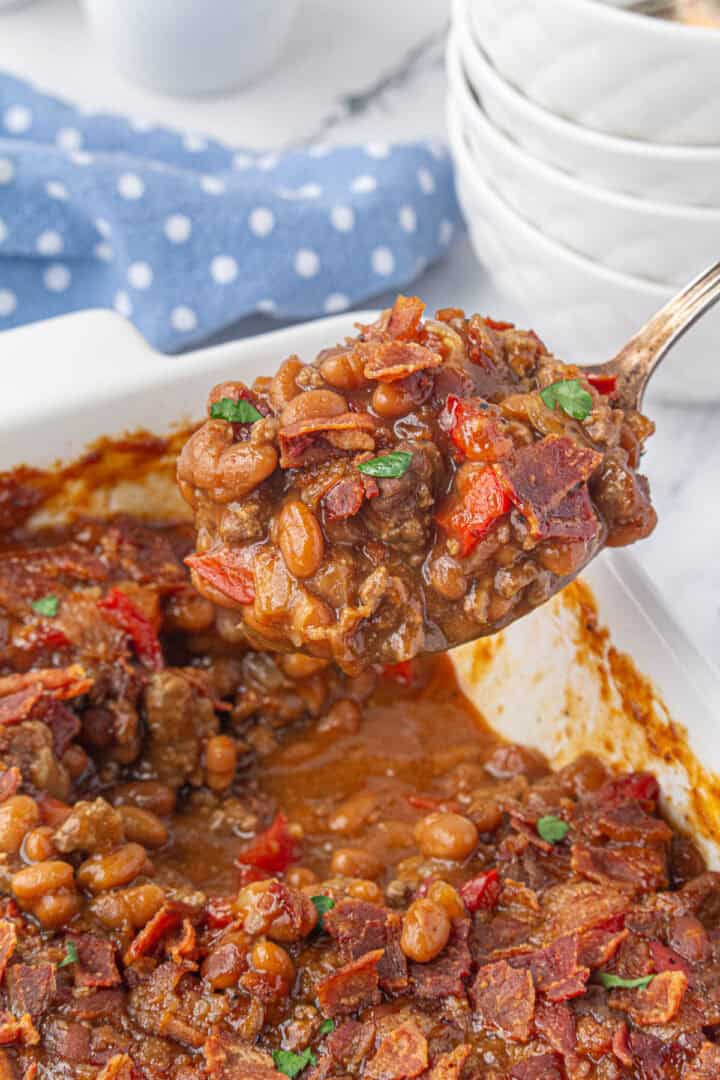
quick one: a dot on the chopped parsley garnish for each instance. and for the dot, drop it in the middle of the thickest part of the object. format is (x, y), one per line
(235, 412)
(610, 981)
(292, 1064)
(327, 1026)
(322, 904)
(552, 829)
(46, 605)
(71, 956)
(393, 465)
(570, 396)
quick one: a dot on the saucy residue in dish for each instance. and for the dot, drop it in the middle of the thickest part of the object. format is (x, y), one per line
(220, 864)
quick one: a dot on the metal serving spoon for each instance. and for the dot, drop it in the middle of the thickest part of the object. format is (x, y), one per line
(635, 363)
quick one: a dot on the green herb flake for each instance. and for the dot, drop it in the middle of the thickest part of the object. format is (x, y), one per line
(392, 465)
(552, 829)
(46, 605)
(235, 412)
(322, 904)
(71, 956)
(610, 981)
(292, 1064)
(327, 1026)
(570, 396)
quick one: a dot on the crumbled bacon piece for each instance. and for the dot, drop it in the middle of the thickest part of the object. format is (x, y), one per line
(96, 964)
(62, 683)
(353, 986)
(450, 1066)
(405, 318)
(656, 1003)
(8, 941)
(30, 988)
(307, 441)
(402, 1055)
(503, 1000)
(228, 570)
(390, 361)
(168, 918)
(445, 976)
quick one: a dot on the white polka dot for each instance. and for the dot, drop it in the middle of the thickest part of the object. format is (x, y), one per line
(57, 190)
(178, 228)
(306, 262)
(49, 242)
(123, 304)
(104, 251)
(343, 218)
(261, 221)
(267, 162)
(268, 306)
(318, 150)
(103, 227)
(183, 319)
(383, 261)
(212, 185)
(81, 157)
(363, 185)
(377, 150)
(8, 303)
(242, 162)
(69, 138)
(130, 186)
(7, 170)
(17, 119)
(140, 275)
(57, 278)
(3, 231)
(310, 191)
(194, 143)
(407, 218)
(445, 232)
(426, 180)
(224, 269)
(436, 149)
(336, 301)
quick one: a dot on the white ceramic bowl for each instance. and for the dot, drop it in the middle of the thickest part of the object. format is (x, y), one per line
(585, 312)
(662, 242)
(186, 48)
(677, 174)
(609, 69)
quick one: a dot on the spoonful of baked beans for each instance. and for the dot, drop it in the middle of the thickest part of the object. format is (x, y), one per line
(422, 484)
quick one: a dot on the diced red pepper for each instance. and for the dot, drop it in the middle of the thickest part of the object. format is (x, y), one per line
(400, 672)
(481, 892)
(272, 850)
(121, 611)
(219, 912)
(498, 324)
(475, 430)
(481, 503)
(604, 384)
(228, 570)
(636, 786)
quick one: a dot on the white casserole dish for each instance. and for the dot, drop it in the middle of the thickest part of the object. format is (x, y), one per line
(551, 682)
(605, 68)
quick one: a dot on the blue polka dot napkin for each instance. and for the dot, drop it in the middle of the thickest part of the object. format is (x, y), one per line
(185, 235)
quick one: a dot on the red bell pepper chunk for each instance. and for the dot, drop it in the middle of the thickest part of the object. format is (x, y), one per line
(498, 324)
(121, 611)
(219, 913)
(481, 892)
(481, 503)
(641, 786)
(227, 570)
(604, 384)
(272, 850)
(400, 672)
(475, 430)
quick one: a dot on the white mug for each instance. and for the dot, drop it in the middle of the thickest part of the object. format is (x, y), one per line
(186, 48)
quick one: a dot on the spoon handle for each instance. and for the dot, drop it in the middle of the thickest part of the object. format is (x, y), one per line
(636, 361)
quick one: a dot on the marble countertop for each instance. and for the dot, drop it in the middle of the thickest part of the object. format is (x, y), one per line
(355, 72)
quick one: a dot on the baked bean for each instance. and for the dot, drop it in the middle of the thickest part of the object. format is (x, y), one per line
(135, 906)
(353, 814)
(108, 869)
(396, 834)
(343, 369)
(343, 716)
(273, 960)
(198, 461)
(298, 666)
(448, 898)
(42, 878)
(38, 845)
(585, 774)
(365, 890)
(313, 693)
(312, 405)
(309, 611)
(444, 835)
(231, 388)
(75, 761)
(223, 965)
(391, 400)
(56, 909)
(150, 795)
(189, 611)
(268, 915)
(299, 876)
(242, 468)
(486, 813)
(425, 930)
(143, 827)
(283, 387)
(18, 815)
(300, 538)
(220, 761)
(355, 862)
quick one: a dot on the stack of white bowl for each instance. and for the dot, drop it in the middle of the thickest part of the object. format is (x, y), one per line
(587, 146)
